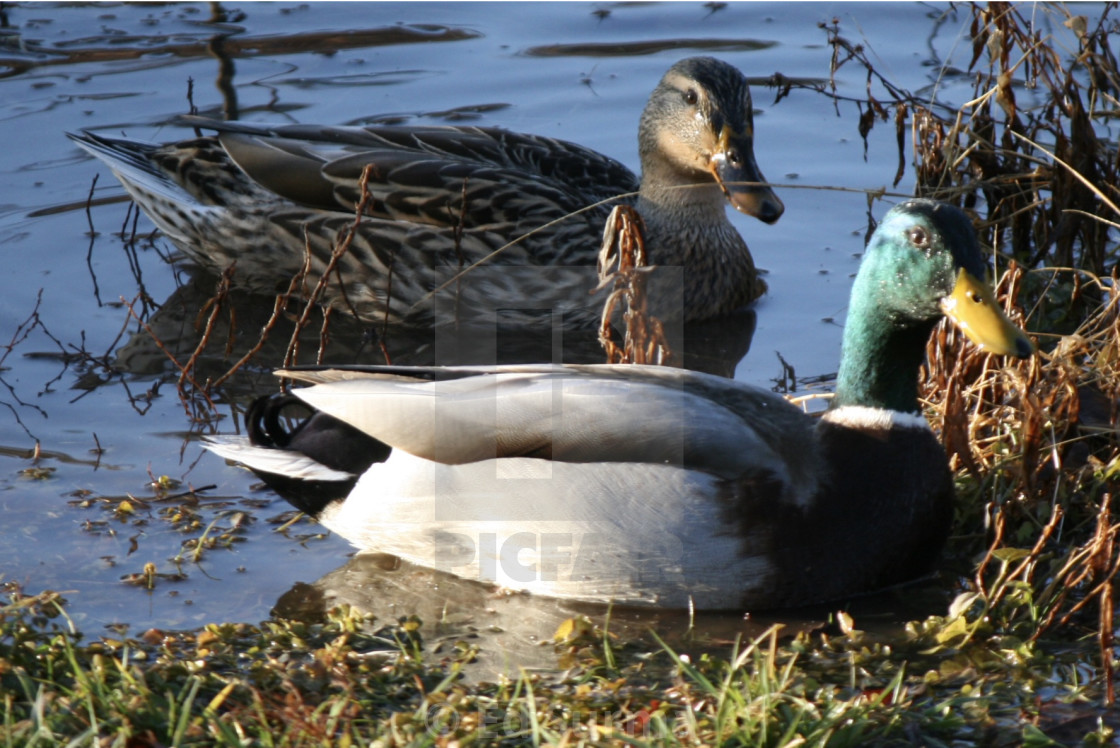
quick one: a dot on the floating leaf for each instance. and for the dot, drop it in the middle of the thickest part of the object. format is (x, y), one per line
(37, 473)
(572, 628)
(957, 628)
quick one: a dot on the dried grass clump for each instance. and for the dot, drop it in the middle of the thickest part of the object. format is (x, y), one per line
(1037, 423)
(1037, 446)
(1031, 158)
(624, 267)
(1025, 152)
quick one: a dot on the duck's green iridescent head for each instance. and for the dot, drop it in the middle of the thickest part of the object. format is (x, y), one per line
(922, 262)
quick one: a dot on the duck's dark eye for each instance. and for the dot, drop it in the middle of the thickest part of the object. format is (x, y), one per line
(691, 97)
(918, 237)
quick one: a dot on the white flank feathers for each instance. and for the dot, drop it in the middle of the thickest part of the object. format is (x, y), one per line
(603, 532)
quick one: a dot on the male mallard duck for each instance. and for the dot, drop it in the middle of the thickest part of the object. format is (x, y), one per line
(641, 484)
(443, 198)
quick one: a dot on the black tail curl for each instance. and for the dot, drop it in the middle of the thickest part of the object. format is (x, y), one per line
(323, 438)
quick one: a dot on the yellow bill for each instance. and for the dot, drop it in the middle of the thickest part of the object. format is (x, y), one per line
(972, 306)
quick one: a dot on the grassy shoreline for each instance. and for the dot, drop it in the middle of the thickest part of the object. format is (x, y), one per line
(968, 677)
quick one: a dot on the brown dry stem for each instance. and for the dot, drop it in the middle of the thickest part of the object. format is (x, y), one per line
(623, 266)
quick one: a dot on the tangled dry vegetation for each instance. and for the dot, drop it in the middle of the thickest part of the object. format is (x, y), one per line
(1034, 441)
(624, 268)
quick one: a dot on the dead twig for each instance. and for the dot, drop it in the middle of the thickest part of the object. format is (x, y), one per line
(623, 265)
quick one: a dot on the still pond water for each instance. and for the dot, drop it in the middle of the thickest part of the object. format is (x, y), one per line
(85, 382)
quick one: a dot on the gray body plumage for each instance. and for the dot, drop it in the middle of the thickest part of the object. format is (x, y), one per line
(625, 484)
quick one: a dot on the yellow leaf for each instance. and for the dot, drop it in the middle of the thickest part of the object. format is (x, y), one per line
(957, 627)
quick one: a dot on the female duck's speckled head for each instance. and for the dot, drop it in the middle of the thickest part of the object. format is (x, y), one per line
(699, 125)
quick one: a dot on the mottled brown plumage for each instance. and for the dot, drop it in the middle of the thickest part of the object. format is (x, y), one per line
(440, 200)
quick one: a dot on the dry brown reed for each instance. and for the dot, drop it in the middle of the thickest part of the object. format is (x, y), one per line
(299, 301)
(1038, 440)
(624, 267)
(1034, 441)
(1039, 174)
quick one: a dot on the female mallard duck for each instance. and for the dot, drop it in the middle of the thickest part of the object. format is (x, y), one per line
(440, 199)
(645, 484)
